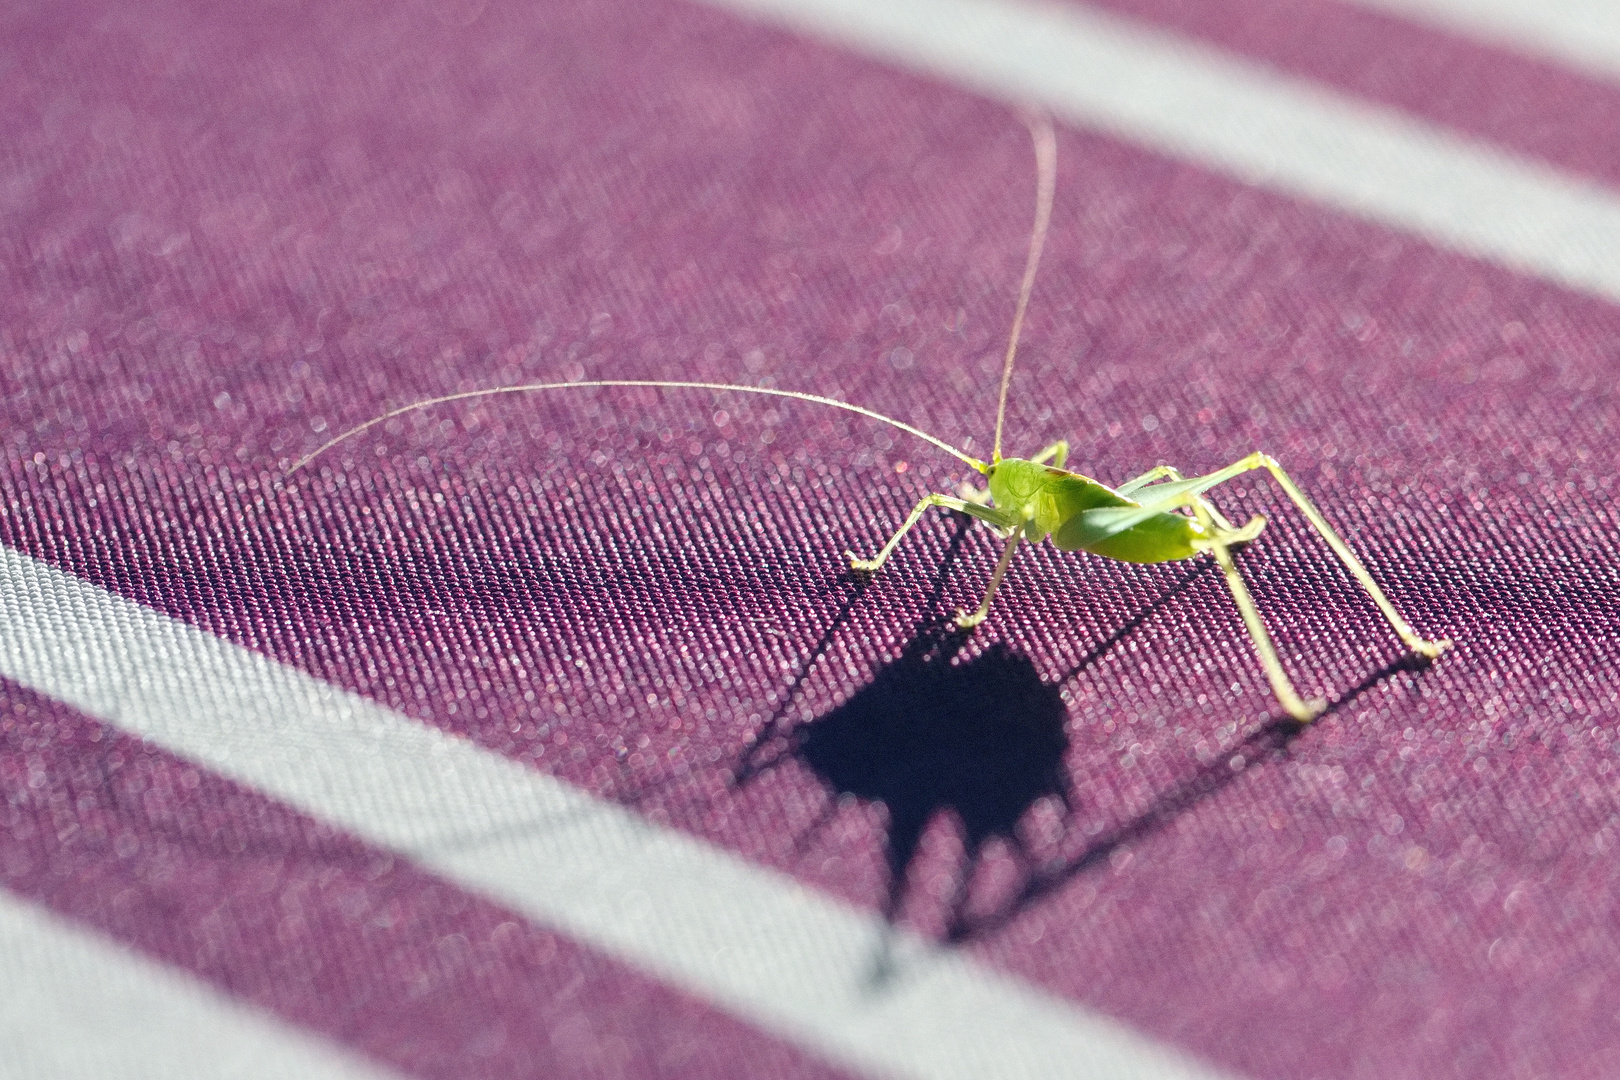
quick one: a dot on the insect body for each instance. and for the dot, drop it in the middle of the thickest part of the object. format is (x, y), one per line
(1157, 517)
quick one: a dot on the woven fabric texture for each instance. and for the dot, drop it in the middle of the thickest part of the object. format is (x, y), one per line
(229, 232)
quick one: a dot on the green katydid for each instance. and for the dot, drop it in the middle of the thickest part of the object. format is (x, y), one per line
(1157, 517)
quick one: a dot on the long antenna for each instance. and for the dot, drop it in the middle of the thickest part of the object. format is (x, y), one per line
(1040, 129)
(528, 388)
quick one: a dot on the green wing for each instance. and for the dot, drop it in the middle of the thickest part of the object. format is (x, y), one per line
(1150, 502)
(1139, 532)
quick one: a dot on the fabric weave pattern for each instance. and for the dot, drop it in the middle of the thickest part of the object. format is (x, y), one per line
(231, 233)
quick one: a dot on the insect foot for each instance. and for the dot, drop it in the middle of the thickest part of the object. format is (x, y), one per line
(967, 622)
(1430, 650)
(1305, 711)
(863, 566)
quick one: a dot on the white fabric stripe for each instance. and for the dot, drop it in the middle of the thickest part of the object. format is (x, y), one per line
(1190, 101)
(74, 1006)
(747, 938)
(1582, 33)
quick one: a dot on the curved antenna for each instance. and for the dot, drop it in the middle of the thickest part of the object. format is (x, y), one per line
(529, 388)
(1040, 129)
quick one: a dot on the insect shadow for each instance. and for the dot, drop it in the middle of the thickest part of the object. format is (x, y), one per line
(1271, 740)
(981, 741)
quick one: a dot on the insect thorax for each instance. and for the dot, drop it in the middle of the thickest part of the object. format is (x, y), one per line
(1014, 484)
(1042, 496)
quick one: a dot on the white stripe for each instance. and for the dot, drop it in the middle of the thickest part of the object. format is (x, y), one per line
(74, 1006)
(1193, 102)
(747, 938)
(1583, 33)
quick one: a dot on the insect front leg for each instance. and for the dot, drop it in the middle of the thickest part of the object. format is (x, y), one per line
(984, 513)
(977, 495)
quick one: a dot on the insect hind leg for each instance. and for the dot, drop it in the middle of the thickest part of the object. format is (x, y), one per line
(1221, 545)
(1171, 473)
(1153, 475)
(1191, 492)
(1424, 647)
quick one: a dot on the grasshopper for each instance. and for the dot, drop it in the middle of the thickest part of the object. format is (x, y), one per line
(1159, 516)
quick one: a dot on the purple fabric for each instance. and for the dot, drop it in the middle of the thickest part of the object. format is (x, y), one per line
(229, 234)
(345, 940)
(1487, 92)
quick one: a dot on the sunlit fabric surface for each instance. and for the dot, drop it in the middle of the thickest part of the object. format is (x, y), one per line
(229, 232)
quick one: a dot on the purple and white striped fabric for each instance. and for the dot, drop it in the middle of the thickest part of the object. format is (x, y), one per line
(550, 736)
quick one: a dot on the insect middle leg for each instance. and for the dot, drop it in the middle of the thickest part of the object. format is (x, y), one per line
(987, 514)
(965, 621)
(1057, 454)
